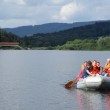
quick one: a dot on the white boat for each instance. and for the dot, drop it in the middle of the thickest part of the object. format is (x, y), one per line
(94, 83)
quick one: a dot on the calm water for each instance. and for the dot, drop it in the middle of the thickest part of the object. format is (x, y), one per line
(34, 80)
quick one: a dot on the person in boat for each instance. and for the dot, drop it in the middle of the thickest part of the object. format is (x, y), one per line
(81, 70)
(87, 70)
(99, 67)
(106, 68)
(95, 67)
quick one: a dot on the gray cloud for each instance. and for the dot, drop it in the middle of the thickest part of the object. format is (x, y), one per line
(15, 13)
(47, 2)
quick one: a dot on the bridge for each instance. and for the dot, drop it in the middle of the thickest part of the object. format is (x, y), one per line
(10, 44)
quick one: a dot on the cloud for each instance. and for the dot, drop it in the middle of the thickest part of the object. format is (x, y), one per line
(47, 2)
(61, 2)
(17, 2)
(56, 1)
(15, 22)
(68, 11)
(14, 13)
(96, 10)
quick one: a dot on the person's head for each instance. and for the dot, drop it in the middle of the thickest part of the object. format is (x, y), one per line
(108, 60)
(94, 63)
(85, 63)
(89, 63)
(98, 64)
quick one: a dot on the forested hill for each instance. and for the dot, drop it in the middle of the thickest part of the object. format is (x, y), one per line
(45, 28)
(8, 37)
(92, 31)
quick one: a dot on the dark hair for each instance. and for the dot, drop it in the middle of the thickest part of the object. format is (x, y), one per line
(85, 61)
(95, 61)
(89, 63)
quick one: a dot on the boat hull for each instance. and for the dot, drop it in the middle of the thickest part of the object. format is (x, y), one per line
(94, 82)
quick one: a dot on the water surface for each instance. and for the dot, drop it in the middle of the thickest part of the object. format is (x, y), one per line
(34, 80)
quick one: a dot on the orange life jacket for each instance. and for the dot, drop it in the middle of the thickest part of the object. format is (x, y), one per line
(80, 73)
(82, 67)
(95, 70)
(107, 66)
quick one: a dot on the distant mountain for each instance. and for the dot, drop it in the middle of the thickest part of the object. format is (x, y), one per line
(45, 28)
(91, 31)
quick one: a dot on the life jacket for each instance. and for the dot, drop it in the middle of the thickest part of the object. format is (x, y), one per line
(95, 70)
(80, 73)
(107, 66)
(82, 67)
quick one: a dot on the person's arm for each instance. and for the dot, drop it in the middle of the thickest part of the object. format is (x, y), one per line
(90, 73)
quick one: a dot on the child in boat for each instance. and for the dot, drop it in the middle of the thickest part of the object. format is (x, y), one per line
(86, 72)
(82, 68)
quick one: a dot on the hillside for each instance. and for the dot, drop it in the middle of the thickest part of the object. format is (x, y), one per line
(93, 31)
(8, 37)
(44, 28)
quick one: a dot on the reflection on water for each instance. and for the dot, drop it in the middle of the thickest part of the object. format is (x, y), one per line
(107, 104)
(93, 100)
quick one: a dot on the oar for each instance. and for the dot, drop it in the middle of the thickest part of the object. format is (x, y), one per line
(70, 83)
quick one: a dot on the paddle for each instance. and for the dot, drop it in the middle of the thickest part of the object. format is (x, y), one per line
(70, 83)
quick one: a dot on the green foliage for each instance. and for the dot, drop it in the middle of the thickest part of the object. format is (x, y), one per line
(80, 38)
(8, 37)
(103, 43)
(87, 44)
(90, 32)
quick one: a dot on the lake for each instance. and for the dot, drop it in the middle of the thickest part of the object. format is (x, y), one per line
(34, 80)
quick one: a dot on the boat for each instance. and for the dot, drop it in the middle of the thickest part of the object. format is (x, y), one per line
(94, 83)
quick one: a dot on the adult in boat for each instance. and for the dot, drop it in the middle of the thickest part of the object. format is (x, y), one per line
(82, 68)
(87, 70)
(107, 68)
(95, 67)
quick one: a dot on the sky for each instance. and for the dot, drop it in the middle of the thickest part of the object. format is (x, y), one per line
(15, 13)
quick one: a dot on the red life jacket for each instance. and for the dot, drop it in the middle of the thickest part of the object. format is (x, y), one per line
(95, 70)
